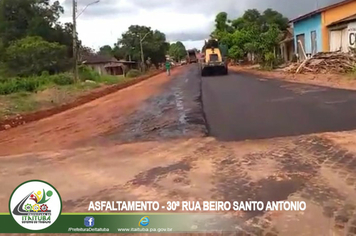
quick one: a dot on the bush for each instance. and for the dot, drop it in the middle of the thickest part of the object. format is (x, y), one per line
(31, 84)
(270, 60)
(2, 79)
(62, 79)
(133, 73)
(32, 55)
(110, 79)
(8, 87)
(44, 73)
(87, 73)
(20, 84)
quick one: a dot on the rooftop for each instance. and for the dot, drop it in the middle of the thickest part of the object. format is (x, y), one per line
(127, 62)
(287, 36)
(344, 20)
(98, 59)
(320, 10)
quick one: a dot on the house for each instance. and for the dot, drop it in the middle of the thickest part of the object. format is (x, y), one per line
(106, 65)
(331, 28)
(103, 64)
(129, 65)
(340, 33)
(287, 45)
(307, 35)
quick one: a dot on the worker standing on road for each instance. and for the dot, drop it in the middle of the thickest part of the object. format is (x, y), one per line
(168, 67)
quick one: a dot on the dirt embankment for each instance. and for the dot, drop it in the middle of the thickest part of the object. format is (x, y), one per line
(95, 94)
(328, 80)
(86, 122)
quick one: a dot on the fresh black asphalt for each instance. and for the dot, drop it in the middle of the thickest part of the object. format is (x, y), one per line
(241, 106)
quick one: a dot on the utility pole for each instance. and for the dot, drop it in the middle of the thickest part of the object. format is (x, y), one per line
(75, 46)
(142, 56)
(75, 51)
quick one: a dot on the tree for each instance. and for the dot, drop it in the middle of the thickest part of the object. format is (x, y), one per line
(33, 55)
(177, 51)
(19, 19)
(236, 53)
(154, 45)
(271, 17)
(106, 50)
(119, 52)
(252, 17)
(31, 17)
(85, 51)
(270, 39)
(222, 26)
(253, 32)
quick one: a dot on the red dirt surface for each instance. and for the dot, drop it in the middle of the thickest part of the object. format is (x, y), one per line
(318, 169)
(80, 122)
(38, 115)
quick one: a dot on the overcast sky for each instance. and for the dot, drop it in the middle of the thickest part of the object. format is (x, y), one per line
(189, 21)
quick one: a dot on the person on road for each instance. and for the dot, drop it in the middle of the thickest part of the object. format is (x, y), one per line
(168, 67)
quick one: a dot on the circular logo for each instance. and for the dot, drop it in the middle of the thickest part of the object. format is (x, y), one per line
(144, 221)
(35, 205)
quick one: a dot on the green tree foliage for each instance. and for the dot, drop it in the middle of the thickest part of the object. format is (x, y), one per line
(253, 33)
(271, 17)
(119, 52)
(85, 51)
(32, 55)
(177, 51)
(19, 18)
(154, 44)
(222, 26)
(33, 83)
(87, 73)
(252, 18)
(106, 50)
(235, 52)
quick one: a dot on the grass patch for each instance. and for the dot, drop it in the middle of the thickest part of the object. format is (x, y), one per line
(79, 87)
(133, 73)
(34, 83)
(24, 95)
(110, 80)
(17, 103)
(50, 95)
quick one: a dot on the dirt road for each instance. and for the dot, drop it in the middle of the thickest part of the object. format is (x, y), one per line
(148, 142)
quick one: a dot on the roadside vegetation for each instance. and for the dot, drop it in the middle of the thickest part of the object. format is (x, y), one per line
(254, 34)
(128, 46)
(36, 57)
(177, 51)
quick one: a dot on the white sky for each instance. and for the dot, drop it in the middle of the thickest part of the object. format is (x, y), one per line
(190, 21)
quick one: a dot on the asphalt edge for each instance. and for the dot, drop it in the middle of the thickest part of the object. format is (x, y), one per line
(200, 99)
